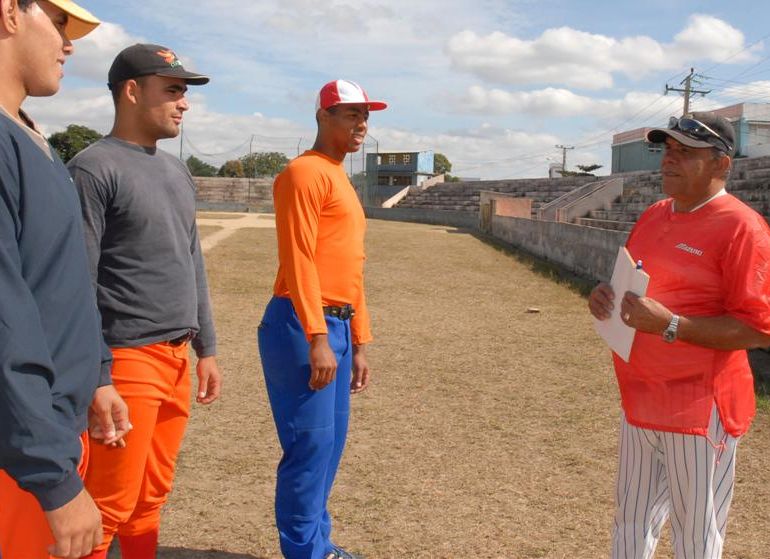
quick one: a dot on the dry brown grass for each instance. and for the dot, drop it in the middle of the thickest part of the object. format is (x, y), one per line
(488, 432)
(204, 230)
(218, 215)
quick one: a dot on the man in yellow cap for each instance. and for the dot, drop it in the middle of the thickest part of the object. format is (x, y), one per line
(53, 362)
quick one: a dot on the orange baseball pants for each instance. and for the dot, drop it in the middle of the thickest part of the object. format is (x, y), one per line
(131, 484)
(24, 530)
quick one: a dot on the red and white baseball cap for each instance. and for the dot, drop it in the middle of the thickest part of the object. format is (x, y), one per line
(344, 92)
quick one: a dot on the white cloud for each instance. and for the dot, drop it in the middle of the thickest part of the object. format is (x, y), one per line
(439, 64)
(574, 58)
(95, 52)
(709, 38)
(90, 107)
(758, 92)
(488, 151)
(552, 102)
(211, 135)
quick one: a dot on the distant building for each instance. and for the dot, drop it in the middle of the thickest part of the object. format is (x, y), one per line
(630, 151)
(554, 171)
(389, 172)
(408, 168)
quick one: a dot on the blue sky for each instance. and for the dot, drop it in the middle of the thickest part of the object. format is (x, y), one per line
(492, 84)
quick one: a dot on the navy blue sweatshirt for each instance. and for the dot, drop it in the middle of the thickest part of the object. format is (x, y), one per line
(52, 354)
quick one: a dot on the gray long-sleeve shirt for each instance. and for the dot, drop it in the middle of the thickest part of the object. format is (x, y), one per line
(146, 262)
(51, 347)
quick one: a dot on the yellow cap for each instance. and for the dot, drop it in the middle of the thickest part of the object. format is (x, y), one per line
(80, 23)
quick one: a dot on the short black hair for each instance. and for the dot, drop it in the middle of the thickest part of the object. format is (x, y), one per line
(330, 110)
(116, 88)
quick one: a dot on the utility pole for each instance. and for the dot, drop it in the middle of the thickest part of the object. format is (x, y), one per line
(688, 90)
(564, 155)
(253, 167)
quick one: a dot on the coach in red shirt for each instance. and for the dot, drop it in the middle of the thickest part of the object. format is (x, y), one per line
(687, 391)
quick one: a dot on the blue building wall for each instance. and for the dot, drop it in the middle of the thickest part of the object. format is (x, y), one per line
(638, 155)
(425, 162)
(635, 156)
(418, 166)
(384, 179)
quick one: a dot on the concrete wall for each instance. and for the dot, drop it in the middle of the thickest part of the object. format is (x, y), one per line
(505, 204)
(584, 251)
(464, 220)
(234, 193)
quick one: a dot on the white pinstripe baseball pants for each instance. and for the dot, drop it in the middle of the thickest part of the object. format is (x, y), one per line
(685, 477)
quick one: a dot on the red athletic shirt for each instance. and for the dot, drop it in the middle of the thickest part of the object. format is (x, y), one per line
(320, 226)
(710, 262)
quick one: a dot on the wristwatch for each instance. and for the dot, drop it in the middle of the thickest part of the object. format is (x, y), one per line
(669, 334)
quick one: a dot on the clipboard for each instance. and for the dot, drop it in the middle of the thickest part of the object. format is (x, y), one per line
(625, 277)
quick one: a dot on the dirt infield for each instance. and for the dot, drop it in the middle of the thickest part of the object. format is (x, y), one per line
(489, 431)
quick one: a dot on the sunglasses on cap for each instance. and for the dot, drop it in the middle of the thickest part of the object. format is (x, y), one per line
(696, 129)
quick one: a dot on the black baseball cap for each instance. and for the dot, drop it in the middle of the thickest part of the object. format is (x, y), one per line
(698, 130)
(150, 60)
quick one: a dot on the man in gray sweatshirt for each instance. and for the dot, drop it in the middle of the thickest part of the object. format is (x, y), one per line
(146, 263)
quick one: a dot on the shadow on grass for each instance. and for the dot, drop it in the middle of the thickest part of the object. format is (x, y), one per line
(548, 270)
(184, 553)
(760, 366)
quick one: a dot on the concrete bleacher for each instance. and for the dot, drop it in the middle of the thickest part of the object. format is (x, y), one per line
(639, 191)
(749, 181)
(464, 196)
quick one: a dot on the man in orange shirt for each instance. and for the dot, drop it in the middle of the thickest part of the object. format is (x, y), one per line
(687, 390)
(313, 334)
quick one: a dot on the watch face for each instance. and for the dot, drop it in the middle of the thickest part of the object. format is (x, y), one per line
(669, 335)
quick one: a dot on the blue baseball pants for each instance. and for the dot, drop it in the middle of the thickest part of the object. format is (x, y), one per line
(312, 426)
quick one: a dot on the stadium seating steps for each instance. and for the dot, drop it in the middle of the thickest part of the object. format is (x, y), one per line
(749, 181)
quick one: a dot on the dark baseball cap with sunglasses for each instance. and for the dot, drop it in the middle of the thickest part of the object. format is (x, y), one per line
(698, 130)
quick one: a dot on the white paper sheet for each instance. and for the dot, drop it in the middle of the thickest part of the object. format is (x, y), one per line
(625, 277)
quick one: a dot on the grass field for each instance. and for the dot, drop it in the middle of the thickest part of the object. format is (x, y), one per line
(488, 432)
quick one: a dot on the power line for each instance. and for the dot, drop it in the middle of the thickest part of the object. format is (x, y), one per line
(564, 155)
(688, 90)
(199, 152)
(744, 49)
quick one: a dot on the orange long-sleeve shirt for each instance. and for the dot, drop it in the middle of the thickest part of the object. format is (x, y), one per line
(320, 226)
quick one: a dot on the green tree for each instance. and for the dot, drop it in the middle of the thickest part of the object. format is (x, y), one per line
(589, 168)
(232, 168)
(200, 168)
(585, 171)
(72, 140)
(265, 164)
(441, 164)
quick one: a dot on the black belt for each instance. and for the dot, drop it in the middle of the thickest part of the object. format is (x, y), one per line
(183, 339)
(345, 312)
